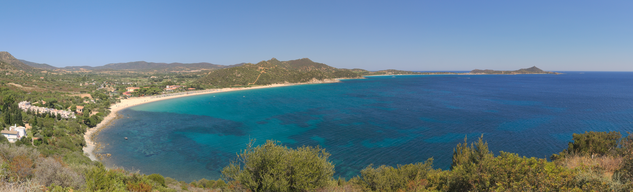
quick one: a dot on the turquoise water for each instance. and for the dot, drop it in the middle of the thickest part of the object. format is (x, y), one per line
(380, 120)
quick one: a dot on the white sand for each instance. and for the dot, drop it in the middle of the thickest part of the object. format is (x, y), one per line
(90, 148)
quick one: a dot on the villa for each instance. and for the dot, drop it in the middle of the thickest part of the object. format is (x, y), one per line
(14, 133)
(12, 136)
(80, 109)
(172, 87)
(132, 89)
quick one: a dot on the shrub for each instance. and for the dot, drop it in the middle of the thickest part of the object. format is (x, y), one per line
(592, 143)
(51, 172)
(139, 187)
(625, 172)
(27, 185)
(9, 151)
(272, 167)
(387, 178)
(219, 184)
(100, 179)
(21, 167)
(476, 169)
(158, 178)
(77, 157)
(590, 180)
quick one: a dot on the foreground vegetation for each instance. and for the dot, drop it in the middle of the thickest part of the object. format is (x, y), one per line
(595, 161)
(598, 161)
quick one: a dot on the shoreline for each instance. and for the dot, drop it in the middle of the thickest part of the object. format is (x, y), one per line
(91, 146)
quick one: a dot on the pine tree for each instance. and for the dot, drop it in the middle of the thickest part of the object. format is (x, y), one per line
(7, 117)
(18, 118)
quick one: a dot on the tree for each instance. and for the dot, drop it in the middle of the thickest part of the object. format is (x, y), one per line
(16, 115)
(34, 121)
(7, 117)
(92, 121)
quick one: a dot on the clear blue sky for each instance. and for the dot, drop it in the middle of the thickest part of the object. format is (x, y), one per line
(409, 35)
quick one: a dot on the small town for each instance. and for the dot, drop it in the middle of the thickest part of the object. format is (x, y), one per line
(26, 106)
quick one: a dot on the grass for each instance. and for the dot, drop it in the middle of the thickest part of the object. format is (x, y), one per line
(606, 164)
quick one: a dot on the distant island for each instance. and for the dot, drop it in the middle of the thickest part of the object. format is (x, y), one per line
(531, 70)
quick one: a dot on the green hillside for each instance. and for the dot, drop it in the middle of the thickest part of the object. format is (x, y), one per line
(274, 71)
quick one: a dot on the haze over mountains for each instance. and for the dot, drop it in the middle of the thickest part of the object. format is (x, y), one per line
(136, 66)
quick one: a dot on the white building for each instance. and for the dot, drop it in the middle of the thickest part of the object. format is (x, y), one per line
(12, 136)
(25, 106)
(14, 133)
(21, 130)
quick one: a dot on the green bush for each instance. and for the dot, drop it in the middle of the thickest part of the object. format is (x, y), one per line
(387, 178)
(625, 173)
(100, 179)
(219, 184)
(158, 178)
(476, 169)
(273, 167)
(592, 143)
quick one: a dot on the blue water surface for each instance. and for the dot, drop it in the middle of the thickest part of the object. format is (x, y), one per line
(379, 120)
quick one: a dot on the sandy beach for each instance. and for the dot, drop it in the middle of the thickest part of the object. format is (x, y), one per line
(125, 103)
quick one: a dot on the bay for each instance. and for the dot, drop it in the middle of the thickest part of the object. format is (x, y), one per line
(380, 120)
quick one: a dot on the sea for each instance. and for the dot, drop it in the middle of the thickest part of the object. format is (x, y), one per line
(380, 120)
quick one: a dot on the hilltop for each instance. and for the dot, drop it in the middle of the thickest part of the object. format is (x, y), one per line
(8, 62)
(274, 71)
(531, 70)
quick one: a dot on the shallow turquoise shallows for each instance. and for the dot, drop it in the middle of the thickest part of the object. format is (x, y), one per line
(381, 120)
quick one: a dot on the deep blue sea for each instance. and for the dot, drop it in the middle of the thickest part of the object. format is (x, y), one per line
(379, 120)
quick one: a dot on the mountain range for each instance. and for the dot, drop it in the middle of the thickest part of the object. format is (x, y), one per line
(136, 66)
